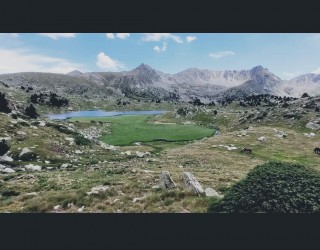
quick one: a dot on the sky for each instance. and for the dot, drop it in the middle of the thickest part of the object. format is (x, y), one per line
(286, 55)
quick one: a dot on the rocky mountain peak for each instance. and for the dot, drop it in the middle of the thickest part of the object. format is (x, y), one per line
(74, 73)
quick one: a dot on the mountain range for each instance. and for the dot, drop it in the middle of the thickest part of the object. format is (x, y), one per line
(146, 82)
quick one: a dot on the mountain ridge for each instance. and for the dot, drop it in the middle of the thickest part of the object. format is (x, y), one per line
(149, 83)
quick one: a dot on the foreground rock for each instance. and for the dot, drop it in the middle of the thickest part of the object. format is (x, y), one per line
(166, 181)
(191, 182)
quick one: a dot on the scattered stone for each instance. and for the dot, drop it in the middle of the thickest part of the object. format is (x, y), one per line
(31, 167)
(21, 133)
(137, 143)
(80, 210)
(47, 162)
(191, 182)
(142, 154)
(139, 199)
(127, 152)
(180, 166)
(98, 189)
(166, 181)
(262, 138)
(7, 170)
(139, 154)
(31, 194)
(49, 168)
(314, 125)
(6, 158)
(33, 127)
(24, 151)
(156, 187)
(78, 152)
(210, 192)
(57, 207)
(230, 148)
(65, 166)
(71, 140)
(42, 123)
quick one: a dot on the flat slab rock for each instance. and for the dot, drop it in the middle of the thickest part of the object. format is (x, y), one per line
(191, 182)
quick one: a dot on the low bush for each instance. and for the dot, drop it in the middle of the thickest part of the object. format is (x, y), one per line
(4, 147)
(273, 188)
(80, 140)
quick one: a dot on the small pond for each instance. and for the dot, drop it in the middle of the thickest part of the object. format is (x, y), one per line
(101, 113)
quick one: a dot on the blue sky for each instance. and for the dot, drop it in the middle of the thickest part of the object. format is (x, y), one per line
(286, 55)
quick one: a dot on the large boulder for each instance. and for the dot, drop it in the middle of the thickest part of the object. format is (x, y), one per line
(192, 183)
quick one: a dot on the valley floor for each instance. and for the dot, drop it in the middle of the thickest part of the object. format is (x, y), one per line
(111, 178)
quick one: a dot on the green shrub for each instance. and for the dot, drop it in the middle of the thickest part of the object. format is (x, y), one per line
(273, 188)
(4, 147)
(80, 140)
(4, 104)
(30, 156)
(31, 111)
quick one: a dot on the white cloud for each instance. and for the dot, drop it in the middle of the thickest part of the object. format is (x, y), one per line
(123, 35)
(110, 36)
(161, 49)
(56, 36)
(107, 63)
(156, 37)
(21, 60)
(9, 34)
(290, 75)
(191, 38)
(221, 54)
(317, 71)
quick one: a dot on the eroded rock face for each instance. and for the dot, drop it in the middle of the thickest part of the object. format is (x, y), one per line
(315, 125)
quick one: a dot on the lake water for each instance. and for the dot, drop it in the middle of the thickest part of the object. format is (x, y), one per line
(101, 113)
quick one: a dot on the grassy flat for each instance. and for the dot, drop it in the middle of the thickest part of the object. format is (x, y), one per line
(136, 128)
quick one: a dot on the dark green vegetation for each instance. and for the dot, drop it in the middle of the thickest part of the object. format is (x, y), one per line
(31, 111)
(80, 140)
(4, 104)
(273, 188)
(138, 128)
(4, 147)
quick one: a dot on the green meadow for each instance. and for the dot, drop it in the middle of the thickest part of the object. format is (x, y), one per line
(128, 129)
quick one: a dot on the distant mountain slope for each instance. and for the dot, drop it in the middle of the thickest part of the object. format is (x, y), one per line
(148, 83)
(60, 83)
(309, 83)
